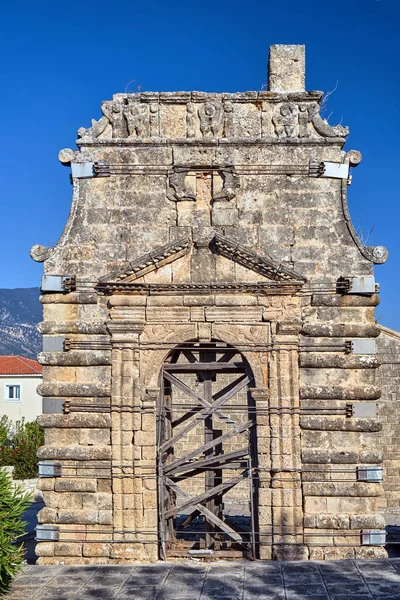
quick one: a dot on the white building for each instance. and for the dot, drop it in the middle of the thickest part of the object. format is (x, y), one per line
(19, 378)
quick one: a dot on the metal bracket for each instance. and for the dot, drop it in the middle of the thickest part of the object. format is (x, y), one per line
(58, 283)
(329, 169)
(101, 169)
(362, 410)
(52, 343)
(82, 170)
(47, 533)
(52, 406)
(67, 407)
(357, 285)
(363, 346)
(373, 537)
(49, 469)
(369, 473)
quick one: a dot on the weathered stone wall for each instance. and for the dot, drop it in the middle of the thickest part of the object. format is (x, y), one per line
(388, 351)
(210, 217)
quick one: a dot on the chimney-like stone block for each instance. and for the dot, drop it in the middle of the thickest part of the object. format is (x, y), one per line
(286, 68)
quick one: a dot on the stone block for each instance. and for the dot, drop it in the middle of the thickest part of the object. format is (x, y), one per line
(75, 485)
(77, 517)
(286, 68)
(149, 499)
(67, 549)
(44, 549)
(96, 549)
(105, 517)
(144, 438)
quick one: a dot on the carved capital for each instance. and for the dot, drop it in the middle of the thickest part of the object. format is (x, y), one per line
(124, 333)
(260, 393)
(292, 327)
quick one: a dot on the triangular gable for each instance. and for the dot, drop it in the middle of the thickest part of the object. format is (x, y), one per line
(151, 261)
(251, 260)
(157, 260)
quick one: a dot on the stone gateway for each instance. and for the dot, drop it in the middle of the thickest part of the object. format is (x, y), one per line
(209, 337)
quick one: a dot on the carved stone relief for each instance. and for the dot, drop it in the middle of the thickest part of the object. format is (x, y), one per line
(137, 119)
(114, 112)
(228, 119)
(181, 187)
(211, 119)
(292, 121)
(135, 116)
(190, 120)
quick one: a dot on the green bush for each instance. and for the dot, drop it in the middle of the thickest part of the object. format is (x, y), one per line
(19, 444)
(5, 428)
(13, 502)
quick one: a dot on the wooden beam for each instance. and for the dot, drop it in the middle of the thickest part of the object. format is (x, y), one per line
(240, 428)
(220, 367)
(218, 489)
(207, 513)
(214, 460)
(204, 414)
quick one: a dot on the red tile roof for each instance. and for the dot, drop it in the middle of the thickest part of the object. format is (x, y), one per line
(19, 365)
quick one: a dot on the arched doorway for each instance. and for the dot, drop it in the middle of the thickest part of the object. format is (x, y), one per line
(206, 441)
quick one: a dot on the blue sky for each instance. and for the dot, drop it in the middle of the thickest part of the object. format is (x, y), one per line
(60, 59)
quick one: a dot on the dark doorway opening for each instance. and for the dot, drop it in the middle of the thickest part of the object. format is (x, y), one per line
(206, 439)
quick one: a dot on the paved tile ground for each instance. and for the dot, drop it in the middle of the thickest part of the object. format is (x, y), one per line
(331, 580)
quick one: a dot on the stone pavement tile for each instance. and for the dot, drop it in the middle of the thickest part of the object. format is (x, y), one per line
(265, 595)
(187, 571)
(254, 583)
(342, 588)
(222, 588)
(301, 589)
(32, 580)
(304, 578)
(379, 589)
(301, 596)
(214, 596)
(22, 593)
(112, 579)
(96, 592)
(301, 566)
(347, 575)
(375, 568)
(80, 569)
(350, 596)
(45, 570)
(147, 575)
(334, 566)
(183, 586)
(140, 593)
(375, 578)
(71, 580)
(395, 562)
(54, 593)
(263, 567)
(177, 594)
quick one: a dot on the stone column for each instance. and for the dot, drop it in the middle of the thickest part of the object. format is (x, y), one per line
(125, 424)
(286, 492)
(261, 402)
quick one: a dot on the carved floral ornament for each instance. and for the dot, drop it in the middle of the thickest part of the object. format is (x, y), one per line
(134, 116)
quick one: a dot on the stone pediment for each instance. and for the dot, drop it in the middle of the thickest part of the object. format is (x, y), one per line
(154, 270)
(149, 262)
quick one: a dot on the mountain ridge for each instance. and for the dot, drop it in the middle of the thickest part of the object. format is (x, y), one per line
(20, 313)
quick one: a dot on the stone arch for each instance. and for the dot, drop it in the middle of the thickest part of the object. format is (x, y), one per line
(183, 448)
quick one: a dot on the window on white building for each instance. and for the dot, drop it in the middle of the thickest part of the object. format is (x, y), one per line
(12, 393)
